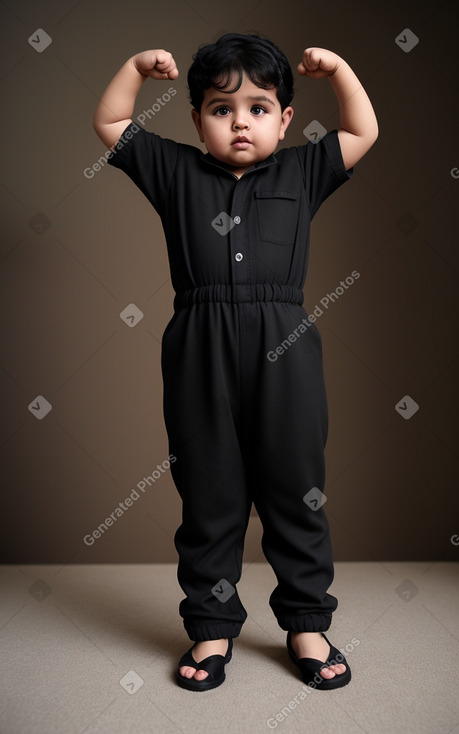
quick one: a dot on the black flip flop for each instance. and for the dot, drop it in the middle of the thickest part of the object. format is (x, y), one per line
(310, 668)
(214, 665)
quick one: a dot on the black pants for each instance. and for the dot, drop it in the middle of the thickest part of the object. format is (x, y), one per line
(246, 427)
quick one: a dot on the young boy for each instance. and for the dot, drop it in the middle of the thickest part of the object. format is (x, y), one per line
(244, 426)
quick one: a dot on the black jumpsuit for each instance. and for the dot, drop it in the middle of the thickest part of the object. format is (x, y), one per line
(246, 417)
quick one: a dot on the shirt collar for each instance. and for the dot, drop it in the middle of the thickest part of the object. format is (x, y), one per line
(210, 160)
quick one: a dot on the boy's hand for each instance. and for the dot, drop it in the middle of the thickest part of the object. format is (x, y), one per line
(318, 62)
(157, 63)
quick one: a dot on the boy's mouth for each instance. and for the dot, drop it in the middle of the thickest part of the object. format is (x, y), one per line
(241, 142)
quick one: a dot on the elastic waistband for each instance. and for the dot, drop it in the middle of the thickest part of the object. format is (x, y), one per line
(227, 293)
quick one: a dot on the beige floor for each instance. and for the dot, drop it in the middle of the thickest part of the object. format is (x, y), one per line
(71, 636)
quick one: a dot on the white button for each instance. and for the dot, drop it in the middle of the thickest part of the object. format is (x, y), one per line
(238, 257)
(237, 220)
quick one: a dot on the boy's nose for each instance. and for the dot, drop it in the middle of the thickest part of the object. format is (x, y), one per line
(240, 124)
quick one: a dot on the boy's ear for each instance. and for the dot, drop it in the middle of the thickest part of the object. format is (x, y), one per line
(285, 121)
(196, 117)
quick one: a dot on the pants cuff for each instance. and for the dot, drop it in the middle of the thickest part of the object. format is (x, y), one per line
(199, 632)
(307, 623)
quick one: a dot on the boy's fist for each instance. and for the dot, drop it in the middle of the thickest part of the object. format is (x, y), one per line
(318, 62)
(158, 64)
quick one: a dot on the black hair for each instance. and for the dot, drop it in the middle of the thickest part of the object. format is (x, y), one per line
(264, 63)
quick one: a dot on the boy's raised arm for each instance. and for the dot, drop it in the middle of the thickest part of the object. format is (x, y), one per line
(114, 111)
(358, 125)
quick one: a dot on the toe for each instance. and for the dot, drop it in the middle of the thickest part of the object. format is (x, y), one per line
(201, 674)
(187, 672)
(333, 670)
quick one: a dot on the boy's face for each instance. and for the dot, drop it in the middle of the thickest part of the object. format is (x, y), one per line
(251, 113)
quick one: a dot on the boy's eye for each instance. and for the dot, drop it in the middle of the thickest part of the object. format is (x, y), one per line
(256, 110)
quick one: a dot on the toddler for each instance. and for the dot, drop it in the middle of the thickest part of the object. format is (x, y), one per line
(244, 427)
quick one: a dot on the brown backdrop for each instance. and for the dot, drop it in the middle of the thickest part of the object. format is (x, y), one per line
(80, 245)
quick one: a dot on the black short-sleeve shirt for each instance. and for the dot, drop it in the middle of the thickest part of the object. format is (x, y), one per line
(221, 229)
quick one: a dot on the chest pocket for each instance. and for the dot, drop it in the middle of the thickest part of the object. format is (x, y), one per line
(277, 213)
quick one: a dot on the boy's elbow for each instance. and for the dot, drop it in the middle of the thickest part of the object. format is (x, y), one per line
(98, 129)
(110, 132)
(375, 133)
(100, 126)
(96, 124)
(370, 138)
(373, 130)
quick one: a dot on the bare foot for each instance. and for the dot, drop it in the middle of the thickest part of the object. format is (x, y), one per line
(313, 645)
(201, 651)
